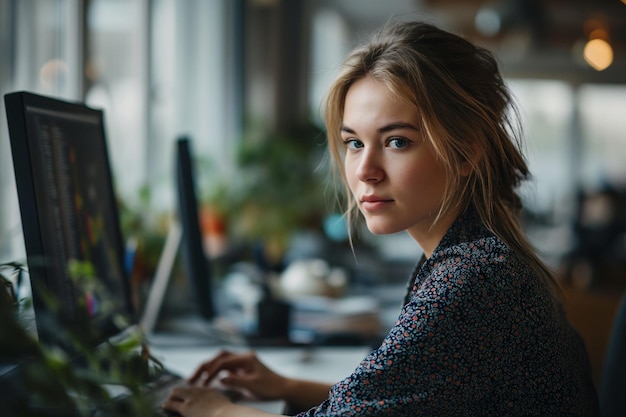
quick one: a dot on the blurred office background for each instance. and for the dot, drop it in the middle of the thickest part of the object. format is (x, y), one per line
(244, 80)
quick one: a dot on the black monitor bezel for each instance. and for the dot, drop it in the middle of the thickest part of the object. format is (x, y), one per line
(196, 262)
(16, 105)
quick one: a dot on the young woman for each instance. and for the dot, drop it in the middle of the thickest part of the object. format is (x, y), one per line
(419, 128)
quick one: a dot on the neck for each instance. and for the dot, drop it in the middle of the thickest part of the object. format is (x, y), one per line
(429, 238)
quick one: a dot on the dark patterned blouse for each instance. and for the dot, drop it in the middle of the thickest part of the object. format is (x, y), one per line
(479, 336)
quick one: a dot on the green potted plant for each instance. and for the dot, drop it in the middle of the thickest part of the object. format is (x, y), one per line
(279, 188)
(38, 379)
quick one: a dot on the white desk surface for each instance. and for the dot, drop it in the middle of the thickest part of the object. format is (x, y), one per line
(323, 364)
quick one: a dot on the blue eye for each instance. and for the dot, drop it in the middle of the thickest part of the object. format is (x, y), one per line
(398, 143)
(353, 143)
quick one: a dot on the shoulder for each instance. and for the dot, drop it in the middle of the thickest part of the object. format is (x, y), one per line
(485, 255)
(469, 248)
(483, 267)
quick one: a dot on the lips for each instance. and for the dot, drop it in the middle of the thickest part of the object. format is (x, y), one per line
(374, 203)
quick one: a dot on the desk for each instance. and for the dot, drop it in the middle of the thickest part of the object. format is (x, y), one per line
(323, 364)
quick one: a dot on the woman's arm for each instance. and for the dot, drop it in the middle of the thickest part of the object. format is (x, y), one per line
(301, 394)
(195, 401)
(247, 374)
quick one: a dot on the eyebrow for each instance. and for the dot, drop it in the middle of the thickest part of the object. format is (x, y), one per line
(387, 128)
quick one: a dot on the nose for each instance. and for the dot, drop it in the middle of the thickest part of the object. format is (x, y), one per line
(370, 167)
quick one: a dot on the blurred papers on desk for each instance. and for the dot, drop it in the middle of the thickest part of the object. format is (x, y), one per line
(325, 320)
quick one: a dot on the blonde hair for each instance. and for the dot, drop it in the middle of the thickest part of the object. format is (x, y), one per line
(468, 115)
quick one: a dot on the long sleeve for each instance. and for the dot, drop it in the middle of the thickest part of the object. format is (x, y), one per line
(479, 336)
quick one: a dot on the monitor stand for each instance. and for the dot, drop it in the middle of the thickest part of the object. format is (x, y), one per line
(189, 330)
(161, 278)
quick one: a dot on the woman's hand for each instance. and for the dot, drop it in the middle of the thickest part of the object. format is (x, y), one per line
(246, 374)
(195, 401)
(242, 372)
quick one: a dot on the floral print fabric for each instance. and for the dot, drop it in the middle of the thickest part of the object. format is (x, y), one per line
(480, 335)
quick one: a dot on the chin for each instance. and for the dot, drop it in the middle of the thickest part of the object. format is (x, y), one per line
(382, 229)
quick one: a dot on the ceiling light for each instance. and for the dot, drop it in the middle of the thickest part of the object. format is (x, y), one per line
(598, 54)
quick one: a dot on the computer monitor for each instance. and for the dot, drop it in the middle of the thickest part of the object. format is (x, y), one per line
(196, 263)
(195, 323)
(69, 212)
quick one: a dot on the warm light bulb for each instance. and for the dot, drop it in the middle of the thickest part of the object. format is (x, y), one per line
(598, 54)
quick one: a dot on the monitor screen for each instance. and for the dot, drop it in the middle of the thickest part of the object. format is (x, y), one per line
(69, 213)
(194, 258)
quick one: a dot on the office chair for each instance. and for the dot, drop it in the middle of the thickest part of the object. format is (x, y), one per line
(613, 385)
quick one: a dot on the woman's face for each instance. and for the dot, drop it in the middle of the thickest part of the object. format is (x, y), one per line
(390, 167)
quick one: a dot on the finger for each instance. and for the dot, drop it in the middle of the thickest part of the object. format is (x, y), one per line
(174, 401)
(228, 362)
(239, 381)
(172, 405)
(178, 394)
(208, 370)
(203, 371)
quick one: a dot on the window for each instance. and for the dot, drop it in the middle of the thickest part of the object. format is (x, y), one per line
(116, 82)
(159, 69)
(42, 47)
(603, 125)
(330, 42)
(546, 109)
